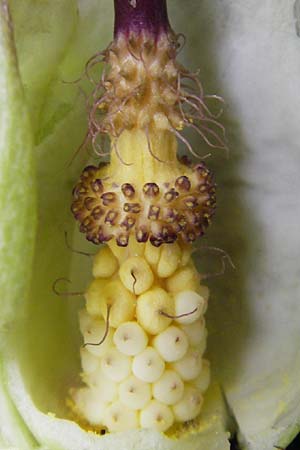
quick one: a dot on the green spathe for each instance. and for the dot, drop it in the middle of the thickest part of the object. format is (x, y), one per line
(253, 313)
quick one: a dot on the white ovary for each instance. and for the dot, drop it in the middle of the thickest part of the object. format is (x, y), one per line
(156, 416)
(90, 405)
(189, 406)
(195, 331)
(136, 275)
(148, 365)
(130, 338)
(115, 365)
(189, 367)
(189, 305)
(93, 331)
(171, 344)
(169, 388)
(202, 381)
(106, 388)
(89, 362)
(117, 417)
(134, 393)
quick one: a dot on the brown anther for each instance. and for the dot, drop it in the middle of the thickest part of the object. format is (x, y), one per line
(127, 223)
(111, 217)
(90, 202)
(181, 222)
(87, 221)
(183, 183)
(122, 240)
(97, 186)
(200, 166)
(76, 209)
(151, 189)
(88, 171)
(168, 235)
(170, 215)
(102, 236)
(185, 160)
(82, 228)
(155, 241)
(203, 188)
(190, 236)
(171, 238)
(202, 170)
(141, 235)
(153, 212)
(132, 207)
(190, 202)
(97, 213)
(108, 198)
(92, 238)
(79, 190)
(171, 195)
(128, 190)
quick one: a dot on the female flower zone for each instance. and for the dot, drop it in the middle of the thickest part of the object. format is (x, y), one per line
(143, 324)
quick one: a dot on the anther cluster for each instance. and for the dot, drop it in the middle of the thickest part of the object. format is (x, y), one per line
(145, 335)
(180, 207)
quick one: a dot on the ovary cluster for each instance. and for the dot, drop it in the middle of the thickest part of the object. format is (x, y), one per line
(144, 337)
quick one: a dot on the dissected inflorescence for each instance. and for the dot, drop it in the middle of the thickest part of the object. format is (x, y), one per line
(143, 323)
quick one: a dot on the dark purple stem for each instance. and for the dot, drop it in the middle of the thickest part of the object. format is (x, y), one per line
(141, 15)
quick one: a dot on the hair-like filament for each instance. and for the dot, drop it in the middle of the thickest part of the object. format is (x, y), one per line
(105, 332)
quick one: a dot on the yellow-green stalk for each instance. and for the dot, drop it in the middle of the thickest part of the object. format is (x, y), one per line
(143, 324)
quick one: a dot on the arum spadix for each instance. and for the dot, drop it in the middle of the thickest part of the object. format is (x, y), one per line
(249, 55)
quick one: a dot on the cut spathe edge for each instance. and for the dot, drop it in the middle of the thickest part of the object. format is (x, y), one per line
(13, 430)
(277, 407)
(65, 434)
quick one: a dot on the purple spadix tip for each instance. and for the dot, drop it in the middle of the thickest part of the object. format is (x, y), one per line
(141, 15)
